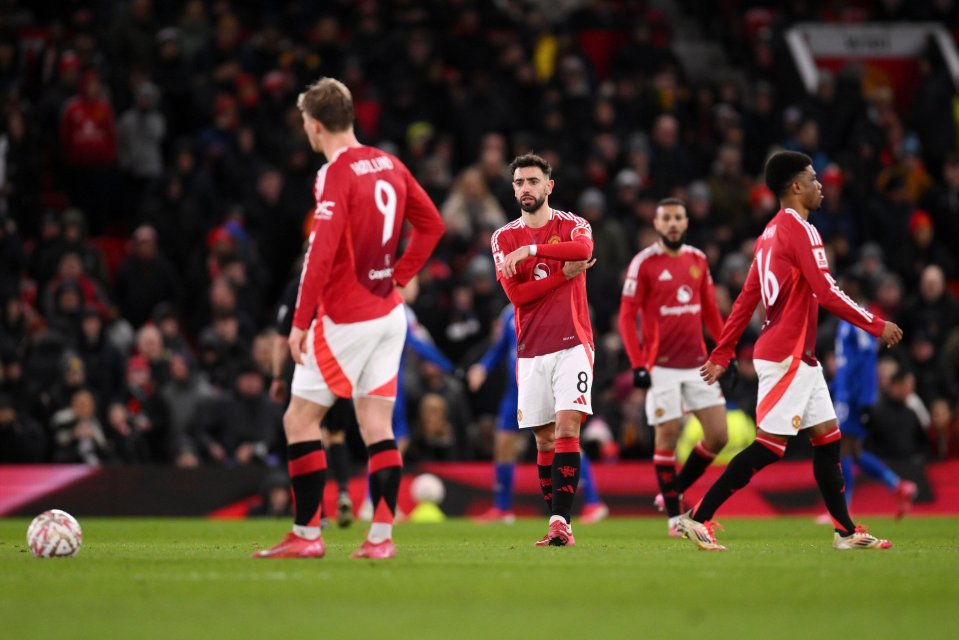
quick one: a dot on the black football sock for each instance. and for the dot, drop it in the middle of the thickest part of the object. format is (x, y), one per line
(828, 473)
(340, 465)
(664, 463)
(386, 470)
(696, 464)
(306, 462)
(761, 453)
(544, 465)
(565, 475)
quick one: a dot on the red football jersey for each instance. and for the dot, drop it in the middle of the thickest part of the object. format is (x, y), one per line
(362, 197)
(674, 295)
(551, 311)
(790, 274)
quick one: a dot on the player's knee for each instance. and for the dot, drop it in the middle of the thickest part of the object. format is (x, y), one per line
(299, 424)
(715, 442)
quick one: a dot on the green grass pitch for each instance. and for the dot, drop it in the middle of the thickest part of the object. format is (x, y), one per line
(185, 578)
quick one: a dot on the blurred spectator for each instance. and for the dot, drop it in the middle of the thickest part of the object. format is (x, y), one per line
(433, 438)
(88, 149)
(20, 188)
(243, 426)
(921, 249)
(22, 439)
(275, 499)
(944, 430)
(894, 429)
(184, 394)
(932, 378)
(166, 319)
(104, 364)
(942, 202)
(139, 418)
(78, 434)
(933, 310)
(75, 240)
(471, 205)
(140, 134)
(150, 346)
(145, 279)
(71, 274)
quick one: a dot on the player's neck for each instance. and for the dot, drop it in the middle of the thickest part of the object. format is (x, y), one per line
(791, 203)
(538, 218)
(333, 142)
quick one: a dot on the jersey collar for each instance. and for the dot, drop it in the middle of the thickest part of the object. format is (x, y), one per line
(548, 220)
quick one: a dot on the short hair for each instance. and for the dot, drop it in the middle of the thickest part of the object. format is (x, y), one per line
(782, 168)
(328, 101)
(531, 160)
(666, 202)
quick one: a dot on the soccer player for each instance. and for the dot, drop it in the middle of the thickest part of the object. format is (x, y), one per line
(349, 325)
(554, 347)
(669, 284)
(790, 274)
(507, 441)
(338, 419)
(854, 387)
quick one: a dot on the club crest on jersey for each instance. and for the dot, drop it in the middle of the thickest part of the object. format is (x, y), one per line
(324, 210)
(519, 415)
(695, 271)
(540, 271)
(684, 294)
(797, 422)
(554, 239)
(665, 276)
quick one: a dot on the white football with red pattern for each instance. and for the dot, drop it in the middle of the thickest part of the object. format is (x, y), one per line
(54, 534)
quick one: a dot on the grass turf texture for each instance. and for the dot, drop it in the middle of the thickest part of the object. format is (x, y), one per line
(184, 578)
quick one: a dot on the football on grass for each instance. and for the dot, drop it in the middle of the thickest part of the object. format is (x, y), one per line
(427, 488)
(54, 534)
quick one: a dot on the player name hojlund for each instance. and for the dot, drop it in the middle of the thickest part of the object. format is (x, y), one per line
(371, 165)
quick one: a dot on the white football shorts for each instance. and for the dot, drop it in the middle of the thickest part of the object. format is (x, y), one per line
(791, 398)
(554, 382)
(355, 359)
(677, 390)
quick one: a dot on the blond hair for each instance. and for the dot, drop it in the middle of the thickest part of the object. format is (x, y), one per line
(330, 102)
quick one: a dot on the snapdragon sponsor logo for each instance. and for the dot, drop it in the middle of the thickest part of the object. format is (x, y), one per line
(679, 310)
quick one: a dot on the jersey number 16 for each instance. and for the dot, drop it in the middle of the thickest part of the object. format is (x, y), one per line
(768, 284)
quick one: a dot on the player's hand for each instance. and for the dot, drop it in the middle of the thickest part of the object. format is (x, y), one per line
(475, 377)
(711, 372)
(576, 267)
(641, 378)
(297, 342)
(511, 261)
(732, 374)
(891, 334)
(278, 390)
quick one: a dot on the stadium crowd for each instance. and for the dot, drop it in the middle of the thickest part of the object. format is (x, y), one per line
(156, 184)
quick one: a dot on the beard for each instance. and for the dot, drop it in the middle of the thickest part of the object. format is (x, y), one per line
(537, 203)
(673, 245)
